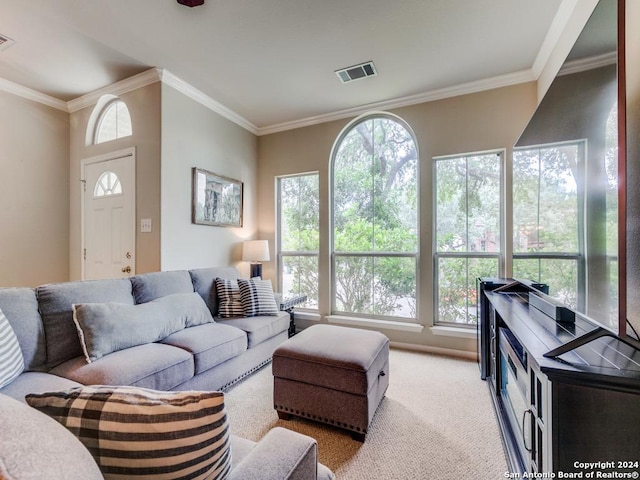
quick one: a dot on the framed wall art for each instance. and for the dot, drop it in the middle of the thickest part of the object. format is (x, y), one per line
(217, 200)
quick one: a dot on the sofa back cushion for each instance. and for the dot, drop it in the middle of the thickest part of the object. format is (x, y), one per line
(204, 282)
(56, 306)
(21, 309)
(108, 327)
(150, 286)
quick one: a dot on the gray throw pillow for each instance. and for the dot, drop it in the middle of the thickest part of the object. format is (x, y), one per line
(104, 328)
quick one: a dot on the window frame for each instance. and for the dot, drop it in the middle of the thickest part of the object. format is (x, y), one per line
(280, 253)
(436, 255)
(107, 192)
(373, 254)
(580, 255)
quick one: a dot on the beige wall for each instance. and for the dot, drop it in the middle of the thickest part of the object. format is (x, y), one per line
(195, 136)
(483, 121)
(144, 108)
(34, 193)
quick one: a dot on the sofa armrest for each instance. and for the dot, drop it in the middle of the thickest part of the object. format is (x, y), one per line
(281, 455)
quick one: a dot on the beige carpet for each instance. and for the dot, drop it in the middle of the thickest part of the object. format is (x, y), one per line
(435, 422)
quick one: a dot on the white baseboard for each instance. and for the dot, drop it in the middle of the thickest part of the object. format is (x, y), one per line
(438, 350)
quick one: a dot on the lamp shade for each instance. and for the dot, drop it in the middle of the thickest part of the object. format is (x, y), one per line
(255, 251)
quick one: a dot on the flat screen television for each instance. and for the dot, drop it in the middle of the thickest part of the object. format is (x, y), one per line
(565, 179)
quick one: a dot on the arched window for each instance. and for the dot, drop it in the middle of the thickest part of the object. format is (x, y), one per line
(114, 122)
(374, 179)
(108, 184)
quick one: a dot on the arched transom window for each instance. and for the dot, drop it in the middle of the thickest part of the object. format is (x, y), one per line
(114, 122)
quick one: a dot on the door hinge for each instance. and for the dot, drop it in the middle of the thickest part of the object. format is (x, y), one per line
(84, 185)
(85, 254)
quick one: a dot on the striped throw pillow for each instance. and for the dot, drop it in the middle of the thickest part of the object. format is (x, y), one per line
(257, 297)
(11, 361)
(229, 302)
(140, 433)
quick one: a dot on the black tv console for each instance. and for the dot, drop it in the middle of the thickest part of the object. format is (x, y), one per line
(566, 392)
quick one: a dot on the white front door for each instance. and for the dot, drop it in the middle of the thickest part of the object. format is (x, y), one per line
(109, 215)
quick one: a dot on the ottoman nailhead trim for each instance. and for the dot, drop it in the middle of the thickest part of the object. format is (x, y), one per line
(311, 416)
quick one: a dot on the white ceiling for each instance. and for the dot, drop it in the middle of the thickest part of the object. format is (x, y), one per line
(272, 62)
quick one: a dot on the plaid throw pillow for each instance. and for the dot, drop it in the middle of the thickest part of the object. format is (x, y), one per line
(229, 302)
(257, 297)
(135, 432)
(11, 361)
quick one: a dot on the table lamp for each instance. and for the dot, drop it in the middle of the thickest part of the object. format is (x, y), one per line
(255, 251)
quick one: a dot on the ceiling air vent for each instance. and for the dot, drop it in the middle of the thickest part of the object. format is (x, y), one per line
(356, 72)
(5, 42)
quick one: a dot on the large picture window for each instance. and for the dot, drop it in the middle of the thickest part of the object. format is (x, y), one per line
(468, 241)
(298, 236)
(375, 219)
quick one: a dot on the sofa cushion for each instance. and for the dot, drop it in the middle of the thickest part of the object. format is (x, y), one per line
(257, 297)
(36, 382)
(21, 308)
(203, 280)
(152, 365)
(149, 286)
(32, 445)
(229, 300)
(11, 361)
(55, 302)
(240, 448)
(134, 432)
(209, 344)
(259, 329)
(108, 327)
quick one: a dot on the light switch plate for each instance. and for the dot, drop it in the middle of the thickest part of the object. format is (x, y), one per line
(145, 225)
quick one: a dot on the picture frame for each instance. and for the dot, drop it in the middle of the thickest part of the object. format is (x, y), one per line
(217, 200)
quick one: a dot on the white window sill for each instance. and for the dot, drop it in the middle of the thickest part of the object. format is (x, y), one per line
(310, 316)
(459, 332)
(372, 323)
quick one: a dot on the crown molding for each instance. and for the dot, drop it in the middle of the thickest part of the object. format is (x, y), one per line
(29, 94)
(190, 91)
(506, 80)
(558, 26)
(127, 85)
(157, 74)
(589, 63)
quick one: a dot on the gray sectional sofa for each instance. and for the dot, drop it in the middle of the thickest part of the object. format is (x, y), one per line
(207, 356)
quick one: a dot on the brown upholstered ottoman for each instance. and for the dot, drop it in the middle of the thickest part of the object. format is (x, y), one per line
(336, 375)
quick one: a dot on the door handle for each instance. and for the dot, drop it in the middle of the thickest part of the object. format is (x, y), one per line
(126, 269)
(524, 438)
